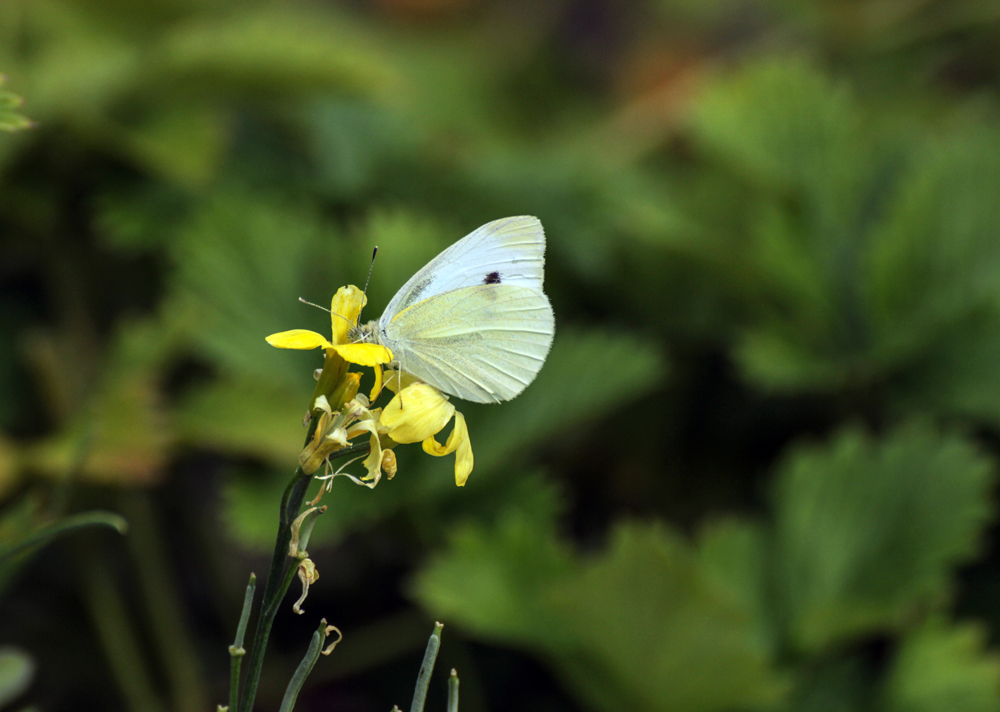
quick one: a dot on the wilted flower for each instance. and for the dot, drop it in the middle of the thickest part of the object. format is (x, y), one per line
(308, 575)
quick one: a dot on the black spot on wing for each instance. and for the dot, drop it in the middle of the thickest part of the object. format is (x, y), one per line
(492, 278)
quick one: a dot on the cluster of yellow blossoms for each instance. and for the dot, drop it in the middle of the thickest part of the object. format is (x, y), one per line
(416, 413)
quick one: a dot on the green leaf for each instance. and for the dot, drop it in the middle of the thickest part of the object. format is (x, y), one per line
(653, 633)
(354, 143)
(956, 374)
(497, 583)
(803, 148)
(25, 527)
(783, 122)
(934, 285)
(236, 283)
(244, 418)
(841, 684)
(868, 258)
(42, 536)
(587, 375)
(867, 532)
(250, 505)
(940, 668)
(10, 118)
(183, 144)
(274, 49)
(78, 66)
(18, 520)
(124, 433)
(139, 217)
(935, 257)
(735, 555)
(638, 627)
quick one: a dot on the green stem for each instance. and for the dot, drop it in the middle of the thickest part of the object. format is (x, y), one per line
(453, 691)
(277, 584)
(234, 680)
(236, 651)
(167, 619)
(426, 668)
(117, 635)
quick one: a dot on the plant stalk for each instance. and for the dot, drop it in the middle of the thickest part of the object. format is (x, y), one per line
(426, 669)
(278, 583)
(236, 651)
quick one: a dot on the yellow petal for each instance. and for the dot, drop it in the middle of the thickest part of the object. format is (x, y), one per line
(364, 354)
(345, 310)
(377, 388)
(302, 339)
(458, 440)
(463, 458)
(416, 413)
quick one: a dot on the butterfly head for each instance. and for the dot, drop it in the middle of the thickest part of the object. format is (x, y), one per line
(365, 334)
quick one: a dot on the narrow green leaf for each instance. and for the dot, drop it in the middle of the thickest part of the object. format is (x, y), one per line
(302, 671)
(44, 535)
(10, 119)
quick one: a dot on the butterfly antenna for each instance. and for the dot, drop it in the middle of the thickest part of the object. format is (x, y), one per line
(315, 305)
(369, 277)
(326, 310)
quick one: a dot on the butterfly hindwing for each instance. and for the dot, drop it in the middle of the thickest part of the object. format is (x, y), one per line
(482, 343)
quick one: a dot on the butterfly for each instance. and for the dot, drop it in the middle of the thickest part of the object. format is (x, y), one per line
(474, 322)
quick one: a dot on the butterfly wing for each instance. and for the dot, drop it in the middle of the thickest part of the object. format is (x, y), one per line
(482, 343)
(506, 251)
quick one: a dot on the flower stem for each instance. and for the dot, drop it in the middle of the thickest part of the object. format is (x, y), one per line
(426, 668)
(277, 583)
(236, 651)
(453, 691)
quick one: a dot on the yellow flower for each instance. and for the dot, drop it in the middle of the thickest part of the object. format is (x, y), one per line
(420, 411)
(345, 309)
(416, 413)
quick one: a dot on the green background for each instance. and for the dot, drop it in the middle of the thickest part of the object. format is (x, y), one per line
(757, 472)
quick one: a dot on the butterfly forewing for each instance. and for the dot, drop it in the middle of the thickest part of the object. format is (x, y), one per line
(506, 251)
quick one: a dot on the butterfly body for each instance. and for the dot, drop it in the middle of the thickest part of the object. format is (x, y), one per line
(474, 322)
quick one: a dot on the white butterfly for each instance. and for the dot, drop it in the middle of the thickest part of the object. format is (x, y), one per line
(474, 321)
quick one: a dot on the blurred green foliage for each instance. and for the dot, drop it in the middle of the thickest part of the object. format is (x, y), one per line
(10, 119)
(758, 469)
